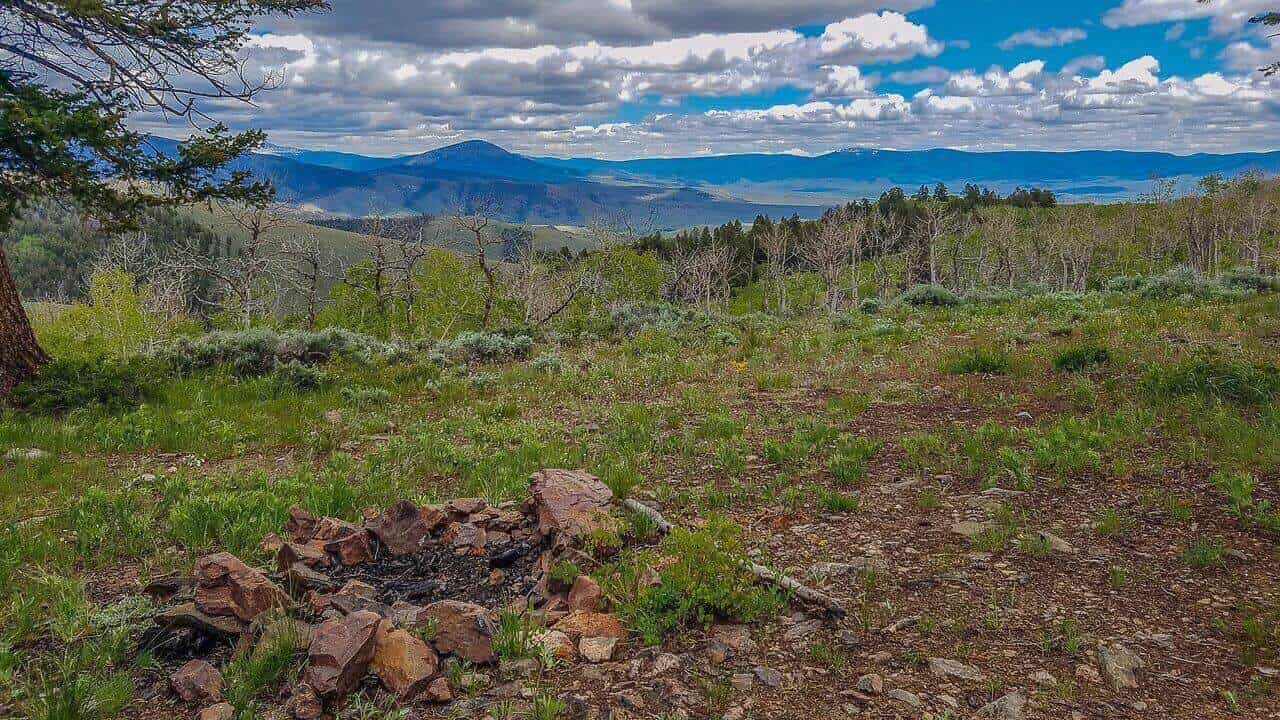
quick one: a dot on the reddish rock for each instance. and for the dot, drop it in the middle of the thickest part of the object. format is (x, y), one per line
(227, 627)
(220, 711)
(405, 527)
(591, 625)
(271, 544)
(349, 543)
(403, 662)
(305, 704)
(309, 554)
(300, 526)
(570, 502)
(558, 644)
(584, 595)
(465, 506)
(299, 578)
(226, 586)
(462, 629)
(340, 653)
(197, 680)
(466, 535)
(438, 691)
(356, 595)
(507, 520)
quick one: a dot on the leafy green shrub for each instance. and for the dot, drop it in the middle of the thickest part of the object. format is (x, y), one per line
(723, 337)
(1232, 380)
(259, 351)
(115, 323)
(365, 397)
(1079, 357)
(1183, 281)
(293, 375)
(481, 346)
(65, 385)
(631, 318)
(931, 295)
(703, 580)
(1244, 278)
(548, 363)
(978, 359)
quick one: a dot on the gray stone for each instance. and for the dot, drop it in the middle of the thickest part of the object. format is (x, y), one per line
(969, 528)
(905, 697)
(768, 676)
(597, 649)
(1119, 665)
(952, 668)
(1010, 707)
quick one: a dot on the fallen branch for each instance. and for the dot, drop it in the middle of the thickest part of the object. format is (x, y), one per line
(763, 573)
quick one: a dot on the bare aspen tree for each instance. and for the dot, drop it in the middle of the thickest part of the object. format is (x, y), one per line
(999, 233)
(884, 237)
(246, 278)
(411, 246)
(1074, 240)
(379, 282)
(1256, 214)
(135, 253)
(475, 220)
(1164, 223)
(312, 265)
(831, 252)
(544, 291)
(964, 253)
(700, 275)
(717, 262)
(933, 222)
(776, 243)
(681, 281)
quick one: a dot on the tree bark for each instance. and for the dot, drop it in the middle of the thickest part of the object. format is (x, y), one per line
(21, 356)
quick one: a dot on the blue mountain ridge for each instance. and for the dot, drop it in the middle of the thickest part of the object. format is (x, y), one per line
(694, 190)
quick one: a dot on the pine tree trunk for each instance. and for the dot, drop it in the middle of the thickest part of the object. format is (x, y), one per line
(20, 355)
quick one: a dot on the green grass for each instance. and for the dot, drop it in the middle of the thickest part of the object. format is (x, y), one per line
(804, 417)
(1081, 357)
(978, 359)
(1235, 381)
(272, 662)
(704, 582)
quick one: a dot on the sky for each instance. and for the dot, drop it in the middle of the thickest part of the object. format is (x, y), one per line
(660, 78)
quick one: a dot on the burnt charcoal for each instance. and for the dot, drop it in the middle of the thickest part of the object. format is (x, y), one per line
(166, 587)
(508, 556)
(440, 573)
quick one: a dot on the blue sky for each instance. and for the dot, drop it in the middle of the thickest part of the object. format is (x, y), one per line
(636, 78)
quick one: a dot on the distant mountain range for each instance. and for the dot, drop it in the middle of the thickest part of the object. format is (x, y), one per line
(678, 192)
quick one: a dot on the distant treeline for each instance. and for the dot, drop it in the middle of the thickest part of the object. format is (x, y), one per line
(747, 244)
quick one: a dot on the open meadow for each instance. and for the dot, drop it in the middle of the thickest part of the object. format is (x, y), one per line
(1005, 495)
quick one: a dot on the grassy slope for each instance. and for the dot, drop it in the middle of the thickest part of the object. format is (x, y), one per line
(825, 441)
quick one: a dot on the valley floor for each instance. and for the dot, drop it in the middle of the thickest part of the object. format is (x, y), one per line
(989, 521)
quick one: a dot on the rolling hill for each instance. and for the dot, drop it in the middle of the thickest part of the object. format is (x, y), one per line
(679, 192)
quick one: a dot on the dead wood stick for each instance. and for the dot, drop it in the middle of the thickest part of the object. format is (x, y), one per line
(763, 573)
